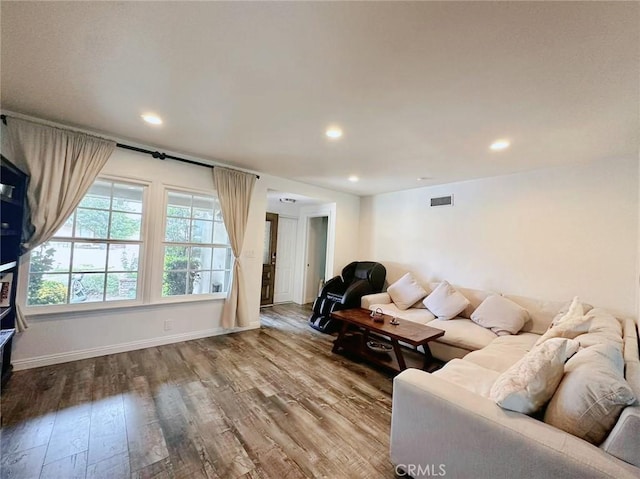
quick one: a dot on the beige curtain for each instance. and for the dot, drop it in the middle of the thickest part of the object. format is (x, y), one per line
(62, 165)
(234, 192)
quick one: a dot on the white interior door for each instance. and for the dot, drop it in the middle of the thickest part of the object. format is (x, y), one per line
(286, 254)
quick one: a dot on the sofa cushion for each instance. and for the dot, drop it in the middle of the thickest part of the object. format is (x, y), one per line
(603, 327)
(527, 385)
(541, 313)
(445, 301)
(504, 352)
(422, 316)
(592, 394)
(572, 324)
(469, 376)
(500, 315)
(406, 291)
(463, 333)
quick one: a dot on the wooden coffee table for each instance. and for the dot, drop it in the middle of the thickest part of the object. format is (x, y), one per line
(366, 329)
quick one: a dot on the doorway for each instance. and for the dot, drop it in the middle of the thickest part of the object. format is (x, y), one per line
(316, 261)
(269, 259)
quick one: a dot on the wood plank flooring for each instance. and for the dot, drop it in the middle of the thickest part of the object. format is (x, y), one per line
(267, 403)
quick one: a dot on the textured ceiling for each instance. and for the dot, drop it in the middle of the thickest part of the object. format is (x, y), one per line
(420, 89)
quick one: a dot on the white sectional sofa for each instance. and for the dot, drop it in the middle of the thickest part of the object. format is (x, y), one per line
(445, 423)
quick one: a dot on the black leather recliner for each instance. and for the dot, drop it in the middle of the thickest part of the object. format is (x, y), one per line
(344, 292)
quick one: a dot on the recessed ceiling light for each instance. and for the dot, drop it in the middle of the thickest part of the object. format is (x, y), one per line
(423, 178)
(353, 178)
(153, 119)
(500, 145)
(334, 132)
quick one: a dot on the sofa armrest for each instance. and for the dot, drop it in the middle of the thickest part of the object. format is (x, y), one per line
(624, 440)
(436, 423)
(379, 298)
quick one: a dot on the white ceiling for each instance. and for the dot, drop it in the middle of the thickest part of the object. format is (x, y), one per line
(420, 89)
(274, 197)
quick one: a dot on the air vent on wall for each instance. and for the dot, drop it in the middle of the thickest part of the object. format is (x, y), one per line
(442, 201)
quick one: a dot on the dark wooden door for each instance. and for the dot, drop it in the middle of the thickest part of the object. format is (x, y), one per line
(269, 258)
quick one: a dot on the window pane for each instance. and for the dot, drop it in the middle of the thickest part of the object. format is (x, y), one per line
(220, 234)
(174, 283)
(89, 256)
(124, 257)
(67, 228)
(175, 257)
(121, 286)
(203, 207)
(266, 249)
(47, 289)
(220, 281)
(221, 258)
(87, 287)
(201, 231)
(177, 230)
(202, 283)
(91, 223)
(194, 219)
(217, 215)
(127, 198)
(99, 196)
(200, 258)
(179, 205)
(53, 256)
(205, 214)
(80, 271)
(125, 226)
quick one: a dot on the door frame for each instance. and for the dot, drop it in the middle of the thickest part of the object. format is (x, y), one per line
(273, 242)
(306, 213)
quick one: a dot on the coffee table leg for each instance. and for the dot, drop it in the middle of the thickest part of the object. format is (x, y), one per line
(428, 357)
(338, 341)
(398, 350)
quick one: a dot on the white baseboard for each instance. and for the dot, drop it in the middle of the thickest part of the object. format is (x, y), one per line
(49, 359)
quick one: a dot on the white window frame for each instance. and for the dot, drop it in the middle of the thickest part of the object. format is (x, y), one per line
(143, 273)
(160, 232)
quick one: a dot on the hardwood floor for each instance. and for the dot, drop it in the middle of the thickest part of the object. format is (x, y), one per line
(267, 403)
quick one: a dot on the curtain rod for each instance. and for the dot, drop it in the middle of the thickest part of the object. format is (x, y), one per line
(155, 154)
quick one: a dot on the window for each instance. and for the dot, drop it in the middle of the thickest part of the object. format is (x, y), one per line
(94, 256)
(197, 255)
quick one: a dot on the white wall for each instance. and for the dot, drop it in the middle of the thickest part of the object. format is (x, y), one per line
(550, 234)
(64, 337)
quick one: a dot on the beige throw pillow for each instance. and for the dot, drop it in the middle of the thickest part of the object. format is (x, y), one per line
(406, 291)
(445, 302)
(591, 395)
(500, 315)
(571, 325)
(527, 385)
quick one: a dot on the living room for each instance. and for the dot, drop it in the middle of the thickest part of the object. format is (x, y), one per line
(418, 93)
